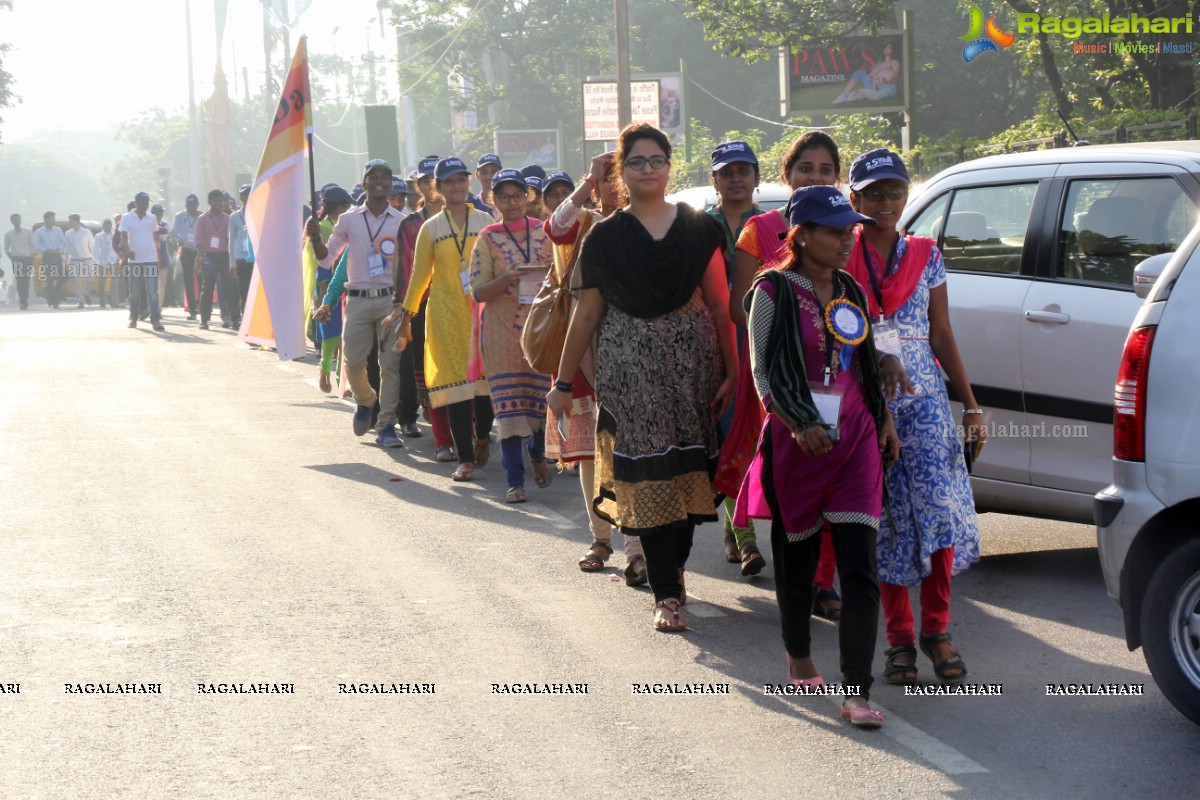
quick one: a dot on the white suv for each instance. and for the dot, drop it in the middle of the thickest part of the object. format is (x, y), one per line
(1148, 520)
(1040, 252)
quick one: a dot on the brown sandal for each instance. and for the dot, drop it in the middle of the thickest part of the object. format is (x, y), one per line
(515, 495)
(542, 474)
(667, 616)
(465, 472)
(597, 555)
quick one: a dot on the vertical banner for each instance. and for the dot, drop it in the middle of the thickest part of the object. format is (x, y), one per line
(275, 305)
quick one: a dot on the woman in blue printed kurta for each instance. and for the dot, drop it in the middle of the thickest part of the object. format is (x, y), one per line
(930, 531)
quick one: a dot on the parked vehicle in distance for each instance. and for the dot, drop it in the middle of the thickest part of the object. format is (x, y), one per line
(768, 196)
(1040, 251)
(1148, 519)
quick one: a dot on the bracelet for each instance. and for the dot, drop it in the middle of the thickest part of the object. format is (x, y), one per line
(969, 411)
(588, 179)
(563, 386)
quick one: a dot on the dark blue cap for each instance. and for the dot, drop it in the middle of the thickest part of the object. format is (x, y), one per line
(507, 176)
(191, 200)
(489, 158)
(555, 177)
(141, 197)
(374, 164)
(727, 153)
(154, 209)
(414, 175)
(427, 166)
(244, 188)
(448, 166)
(876, 165)
(398, 186)
(534, 181)
(336, 195)
(535, 171)
(823, 205)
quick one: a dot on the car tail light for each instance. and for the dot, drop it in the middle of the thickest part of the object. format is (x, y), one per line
(1129, 400)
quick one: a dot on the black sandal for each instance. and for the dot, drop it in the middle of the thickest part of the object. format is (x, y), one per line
(821, 596)
(596, 557)
(895, 670)
(940, 667)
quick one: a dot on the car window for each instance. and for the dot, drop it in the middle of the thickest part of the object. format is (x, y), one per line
(928, 221)
(985, 228)
(1110, 225)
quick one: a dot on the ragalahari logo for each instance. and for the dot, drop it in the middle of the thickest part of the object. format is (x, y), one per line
(979, 43)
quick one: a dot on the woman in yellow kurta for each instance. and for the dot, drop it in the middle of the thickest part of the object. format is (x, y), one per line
(441, 264)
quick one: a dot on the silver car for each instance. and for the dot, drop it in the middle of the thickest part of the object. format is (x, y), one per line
(1148, 520)
(1040, 251)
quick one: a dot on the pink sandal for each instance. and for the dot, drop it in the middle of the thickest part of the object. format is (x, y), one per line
(862, 716)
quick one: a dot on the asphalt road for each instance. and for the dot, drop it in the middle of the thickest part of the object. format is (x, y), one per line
(180, 509)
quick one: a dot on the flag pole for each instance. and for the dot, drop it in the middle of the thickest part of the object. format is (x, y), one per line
(312, 173)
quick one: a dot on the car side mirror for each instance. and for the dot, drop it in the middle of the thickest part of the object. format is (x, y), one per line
(1147, 272)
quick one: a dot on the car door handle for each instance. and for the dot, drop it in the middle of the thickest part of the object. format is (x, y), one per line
(1047, 316)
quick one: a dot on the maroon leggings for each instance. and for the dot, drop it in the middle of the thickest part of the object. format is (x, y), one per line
(935, 602)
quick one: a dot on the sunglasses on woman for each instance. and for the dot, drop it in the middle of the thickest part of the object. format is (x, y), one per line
(876, 194)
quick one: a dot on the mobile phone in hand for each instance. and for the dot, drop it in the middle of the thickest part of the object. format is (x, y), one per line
(968, 454)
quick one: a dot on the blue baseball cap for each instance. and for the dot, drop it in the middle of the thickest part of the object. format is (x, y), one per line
(535, 171)
(450, 166)
(823, 205)
(555, 177)
(414, 176)
(489, 158)
(507, 176)
(335, 195)
(876, 165)
(427, 166)
(398, 186)
(736, 152)
(374, 164)
(534, 181)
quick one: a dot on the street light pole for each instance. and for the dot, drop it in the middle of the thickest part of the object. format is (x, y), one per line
(624, 103)
(193, 132)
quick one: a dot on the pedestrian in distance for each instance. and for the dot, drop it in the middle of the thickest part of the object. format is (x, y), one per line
(139, 247)
(18, 246)
(241, 252)
(183, 229)
(327, 290)
(50, 241)
(104, 256)
(485, 170)
(212, 240)
(79, 245)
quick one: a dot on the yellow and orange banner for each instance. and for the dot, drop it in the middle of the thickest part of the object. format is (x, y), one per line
(275, 304)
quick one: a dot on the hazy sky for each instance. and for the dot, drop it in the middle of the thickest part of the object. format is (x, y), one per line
(68, 56)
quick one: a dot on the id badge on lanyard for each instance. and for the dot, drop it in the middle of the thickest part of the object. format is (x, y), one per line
(465, 276)
(828, 400)
(887, 338)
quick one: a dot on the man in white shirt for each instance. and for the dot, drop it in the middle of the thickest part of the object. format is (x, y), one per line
(138, 229)
(79, 250)
(368, 235)
(50, 242)
(104, 256)
(18, 246)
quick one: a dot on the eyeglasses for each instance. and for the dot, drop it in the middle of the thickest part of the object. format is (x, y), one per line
(511, 197)
(874, 194)
(638, 163)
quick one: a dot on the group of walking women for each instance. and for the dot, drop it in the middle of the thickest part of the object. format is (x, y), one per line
(787, 361)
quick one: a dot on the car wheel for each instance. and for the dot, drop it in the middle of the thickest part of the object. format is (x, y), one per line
(1171, 629)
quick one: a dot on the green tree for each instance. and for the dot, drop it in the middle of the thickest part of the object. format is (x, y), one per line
(7, 98)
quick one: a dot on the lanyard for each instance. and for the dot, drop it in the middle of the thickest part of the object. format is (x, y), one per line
(460, 246)
(374, 235)
(527, 251)
(875, 289)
